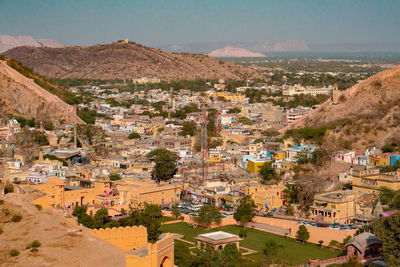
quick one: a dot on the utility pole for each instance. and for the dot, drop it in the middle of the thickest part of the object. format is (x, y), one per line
(75, 143)
(204, 144)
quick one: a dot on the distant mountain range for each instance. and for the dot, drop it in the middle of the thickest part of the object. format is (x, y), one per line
(234, 52)
(261, 47)
(8, 42)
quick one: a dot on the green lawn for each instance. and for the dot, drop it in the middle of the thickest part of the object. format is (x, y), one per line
(293, 251)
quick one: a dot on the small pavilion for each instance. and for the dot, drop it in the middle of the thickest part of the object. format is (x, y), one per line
(218, 240)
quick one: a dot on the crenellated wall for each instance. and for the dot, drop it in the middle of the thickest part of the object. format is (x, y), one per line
(126, 238)
(159, 254)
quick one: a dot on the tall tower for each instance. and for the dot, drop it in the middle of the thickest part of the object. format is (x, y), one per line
(204, 144)
(335, 94)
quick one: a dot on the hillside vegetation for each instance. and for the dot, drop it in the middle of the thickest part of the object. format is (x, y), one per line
(125, 61)
(27, 94)
(368, 112)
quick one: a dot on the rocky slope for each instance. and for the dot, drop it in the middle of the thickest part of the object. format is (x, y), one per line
(8, 42)
(234, 52)
(369, 111)
(20, 95)
(125, 61)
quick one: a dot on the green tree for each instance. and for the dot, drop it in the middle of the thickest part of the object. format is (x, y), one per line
(114, 177)
(388, 230)
(245, 121)
(40, 138)
(234, 110)
(112, 224)
(387, 149)
(90, 134)
(271, 248)
(182, 255)
(134, 135)
(176, 213)
(79, 211)
(208, 214)
(302, 234)
(245, 211)
(291, 193)
(100, 217)
(268, 172)
(145, 214)
(230, 256)
(189, 128)
(166, 164)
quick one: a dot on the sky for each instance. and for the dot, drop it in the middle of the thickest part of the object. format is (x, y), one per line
(158, 22)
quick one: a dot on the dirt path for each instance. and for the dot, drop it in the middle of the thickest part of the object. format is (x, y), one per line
(62, 244)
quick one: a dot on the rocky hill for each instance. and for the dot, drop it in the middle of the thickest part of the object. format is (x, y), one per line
(125, 61)
(365, 115)
(234, 52)
(8, 42)
(22, 96)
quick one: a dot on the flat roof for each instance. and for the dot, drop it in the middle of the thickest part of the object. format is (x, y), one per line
(218, 235)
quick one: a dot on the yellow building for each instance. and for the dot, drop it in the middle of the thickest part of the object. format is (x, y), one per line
(338, 206)
(254, 165)
(138, 251)
(378, 161)
(230, 97)
(266, 197)
(371, 180)
(140, 191)
(214, 159)
(288, 143)
(60, 196)
(286, 165)
(280, 155)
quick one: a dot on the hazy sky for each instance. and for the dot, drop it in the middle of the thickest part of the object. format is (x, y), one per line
(155, 22)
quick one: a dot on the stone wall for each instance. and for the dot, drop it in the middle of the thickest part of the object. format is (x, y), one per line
(126, 238)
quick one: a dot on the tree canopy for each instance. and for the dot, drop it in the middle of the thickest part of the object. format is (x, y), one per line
(208, 214)
(245, 211)
(166, 164)
(268, 172)
(134, 135)
(302, 234)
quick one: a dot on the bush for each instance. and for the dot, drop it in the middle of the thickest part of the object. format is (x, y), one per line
(1, 230)
(6, 212)
(16, 218)
(39, 207)
(114, 177)
(35, 244)
(387, 149)
(243, 233)
(1, 202)
(134, 136)
(9, 188)
(13, 253)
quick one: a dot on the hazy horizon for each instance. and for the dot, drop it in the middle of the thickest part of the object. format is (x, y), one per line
(161, 22)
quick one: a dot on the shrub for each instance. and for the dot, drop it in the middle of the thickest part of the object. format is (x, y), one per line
(1, 202)
(13, 252)
(6, 212)
(33, 250)
(39, 207)
(35, 244)
(243, 233)
(114, 177)
(1, 230)
(16, 218)
(9, 188)
(387, 149)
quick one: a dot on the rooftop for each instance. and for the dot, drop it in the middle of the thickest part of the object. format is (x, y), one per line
(220, 235)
